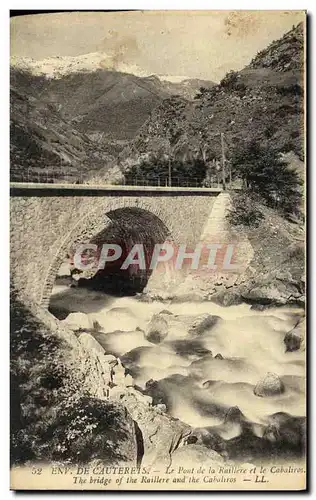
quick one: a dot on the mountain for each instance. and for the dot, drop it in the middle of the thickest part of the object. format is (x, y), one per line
(43, 145)
(264, 101)
(68, 115)
(91, 119)
(95, 98)
(187, 87)
(60, 66)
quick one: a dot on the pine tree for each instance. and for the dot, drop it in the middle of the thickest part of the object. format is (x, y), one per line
(265, 173)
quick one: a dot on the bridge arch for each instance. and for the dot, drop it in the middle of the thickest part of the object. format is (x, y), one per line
(130, 216)
(45, 220)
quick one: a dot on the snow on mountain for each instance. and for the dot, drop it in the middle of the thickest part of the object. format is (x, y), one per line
(58, 66)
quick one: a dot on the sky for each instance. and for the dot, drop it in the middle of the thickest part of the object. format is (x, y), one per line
(196, 44)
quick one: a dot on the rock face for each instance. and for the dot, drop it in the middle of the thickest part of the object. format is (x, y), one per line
(118, 374)
(91, 344)
(270, 385)
(64, 270)
(295, 338)
(192, 349)
(158, 435)
(271, 294)
(161, 435)
(157, 329)
(227, 298)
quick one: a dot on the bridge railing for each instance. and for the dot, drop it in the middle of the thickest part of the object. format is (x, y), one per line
(164, 182)
(46, 177)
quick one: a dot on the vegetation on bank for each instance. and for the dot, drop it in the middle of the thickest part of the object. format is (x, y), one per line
(265, 175)
(53, 417)
(155, 170)
(268, 179)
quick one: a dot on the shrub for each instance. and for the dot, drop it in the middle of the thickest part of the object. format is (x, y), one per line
(230, 80)
(245, 211)
(83, 429)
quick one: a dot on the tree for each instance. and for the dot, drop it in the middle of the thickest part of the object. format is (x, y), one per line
(268, 175)
(155, 169)
(230, 80)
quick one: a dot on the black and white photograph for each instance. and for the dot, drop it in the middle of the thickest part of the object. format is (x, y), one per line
(158, 250)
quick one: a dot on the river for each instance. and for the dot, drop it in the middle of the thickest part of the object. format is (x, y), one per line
(197, 386)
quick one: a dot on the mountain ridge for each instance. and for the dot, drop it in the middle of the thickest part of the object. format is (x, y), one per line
(107, 118)
(263, 102)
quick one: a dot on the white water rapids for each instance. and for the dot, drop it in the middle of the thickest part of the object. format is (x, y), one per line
(199, 387)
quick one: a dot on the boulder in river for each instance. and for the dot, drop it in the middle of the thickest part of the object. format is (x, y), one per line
(287, 431)
(269, 385)
(219, 356)
(203, 322)
(234, 414)
(121, 318)
(295, 338)
(189, 348)
(77, 320)
(157, 329)
(226, 297)
(183, 325)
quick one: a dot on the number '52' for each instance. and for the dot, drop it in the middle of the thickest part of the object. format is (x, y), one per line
(37, 470)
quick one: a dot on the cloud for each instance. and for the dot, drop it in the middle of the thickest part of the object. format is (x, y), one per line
(120, 49)
(200, 44)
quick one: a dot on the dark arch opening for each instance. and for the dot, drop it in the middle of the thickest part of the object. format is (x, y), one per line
(125, 227)
(129, 226)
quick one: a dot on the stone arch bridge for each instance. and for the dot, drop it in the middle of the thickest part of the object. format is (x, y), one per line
(47, 220)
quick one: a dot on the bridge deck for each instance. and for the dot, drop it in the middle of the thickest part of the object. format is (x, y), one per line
(107, 188)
